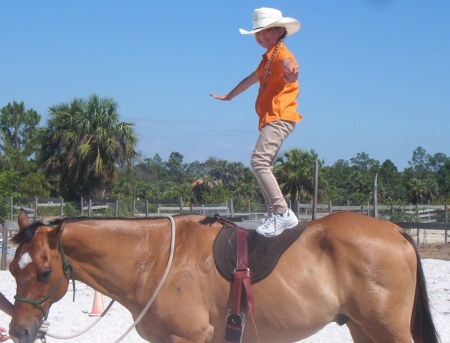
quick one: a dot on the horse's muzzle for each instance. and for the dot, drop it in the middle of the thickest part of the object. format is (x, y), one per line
(23, 334)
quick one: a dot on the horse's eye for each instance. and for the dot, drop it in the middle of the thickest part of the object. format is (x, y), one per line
(44, 276)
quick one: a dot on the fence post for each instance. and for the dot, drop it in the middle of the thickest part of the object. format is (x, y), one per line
(446, 222)
(61, 207)
(116, 210)
(375, 196)
(11, 213)
(181, 205)
(146, 207)
(35, 208)
(316, 177)
(81, 207)
(89, 207)
(4, 244)
(231, 208)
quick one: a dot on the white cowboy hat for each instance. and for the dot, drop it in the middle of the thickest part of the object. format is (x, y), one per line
(264, 18)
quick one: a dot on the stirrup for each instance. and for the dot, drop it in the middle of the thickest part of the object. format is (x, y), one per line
(234, 327)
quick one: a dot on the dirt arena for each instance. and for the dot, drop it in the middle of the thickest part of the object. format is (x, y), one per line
(435, 251)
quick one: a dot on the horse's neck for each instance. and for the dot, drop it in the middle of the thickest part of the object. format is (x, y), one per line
(111, 260)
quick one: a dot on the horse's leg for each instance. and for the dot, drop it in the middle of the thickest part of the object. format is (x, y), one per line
(380, 333)
(357, 333)
(384, 317)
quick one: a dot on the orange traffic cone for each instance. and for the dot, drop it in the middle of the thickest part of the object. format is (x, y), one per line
(97, 307)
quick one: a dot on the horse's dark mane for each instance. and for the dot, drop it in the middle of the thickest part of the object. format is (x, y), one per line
(81, 219)
(27, 233)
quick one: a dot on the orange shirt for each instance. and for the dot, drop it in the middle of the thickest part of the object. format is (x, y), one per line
(277, 100)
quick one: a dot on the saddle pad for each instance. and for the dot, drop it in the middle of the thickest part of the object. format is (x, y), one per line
(263, 253)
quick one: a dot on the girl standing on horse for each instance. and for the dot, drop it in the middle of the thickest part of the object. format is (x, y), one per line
(276, 106)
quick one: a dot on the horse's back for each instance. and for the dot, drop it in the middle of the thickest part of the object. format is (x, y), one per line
(355, 237)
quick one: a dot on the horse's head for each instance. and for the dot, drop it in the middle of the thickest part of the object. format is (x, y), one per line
(41, 276)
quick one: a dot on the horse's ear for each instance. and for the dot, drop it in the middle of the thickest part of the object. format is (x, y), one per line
(54, 235)
(23, 219)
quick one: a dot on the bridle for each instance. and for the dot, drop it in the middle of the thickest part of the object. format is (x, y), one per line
(67, 267)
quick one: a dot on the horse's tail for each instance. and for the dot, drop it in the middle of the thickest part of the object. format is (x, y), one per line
(422, 325)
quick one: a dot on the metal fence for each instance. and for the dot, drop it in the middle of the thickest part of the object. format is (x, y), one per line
(45, 209)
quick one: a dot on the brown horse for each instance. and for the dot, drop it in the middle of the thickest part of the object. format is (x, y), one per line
(345, 265)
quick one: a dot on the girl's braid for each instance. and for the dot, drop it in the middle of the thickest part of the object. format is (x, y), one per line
(266, 70)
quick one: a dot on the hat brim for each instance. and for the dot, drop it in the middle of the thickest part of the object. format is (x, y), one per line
(290, 24)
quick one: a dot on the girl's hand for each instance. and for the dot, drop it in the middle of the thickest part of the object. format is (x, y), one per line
(290, 75)
(220, 97)
(3, 335)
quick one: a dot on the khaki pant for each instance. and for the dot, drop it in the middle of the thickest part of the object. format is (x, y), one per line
(266, 150)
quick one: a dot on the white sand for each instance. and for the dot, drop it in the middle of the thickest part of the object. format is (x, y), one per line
(67, 318)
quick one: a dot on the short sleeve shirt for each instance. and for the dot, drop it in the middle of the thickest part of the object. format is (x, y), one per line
(277, 100)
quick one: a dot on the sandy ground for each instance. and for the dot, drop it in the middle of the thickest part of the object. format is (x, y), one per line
(67, 317)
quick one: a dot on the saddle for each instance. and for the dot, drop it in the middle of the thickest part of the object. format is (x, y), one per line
(263, 252)
(243, 258)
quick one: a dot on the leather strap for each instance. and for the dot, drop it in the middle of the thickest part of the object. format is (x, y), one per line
(241, 290)
(241, 277)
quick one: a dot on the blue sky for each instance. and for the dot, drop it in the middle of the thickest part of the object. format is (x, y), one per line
(374, 74)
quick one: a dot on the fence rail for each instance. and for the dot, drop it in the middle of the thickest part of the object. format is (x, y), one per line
(49, 208)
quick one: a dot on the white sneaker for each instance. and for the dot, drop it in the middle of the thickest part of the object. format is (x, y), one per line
(277, 223)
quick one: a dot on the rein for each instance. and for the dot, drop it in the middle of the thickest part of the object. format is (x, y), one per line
(67, 267)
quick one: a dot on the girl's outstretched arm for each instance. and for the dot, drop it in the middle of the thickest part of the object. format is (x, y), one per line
(5, 305)
(240, 88)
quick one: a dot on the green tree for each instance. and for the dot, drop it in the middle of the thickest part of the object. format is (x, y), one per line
(351, 182)
(444, 182)
(18, 128)
(337, 178)
(8, 180)
(83, 145)
(416, 190)
(364, 163)
(202, 188)
(361, 178)
(176, 167)
(430, 190)
(389, 184)
(294, 171)
(437, 162)
(18, 142)
(219, 180)
(419, 162)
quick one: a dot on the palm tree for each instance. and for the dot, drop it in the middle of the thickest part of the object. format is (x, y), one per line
(83, 145)
(202, 185)
(416, 190)
(295, 173)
